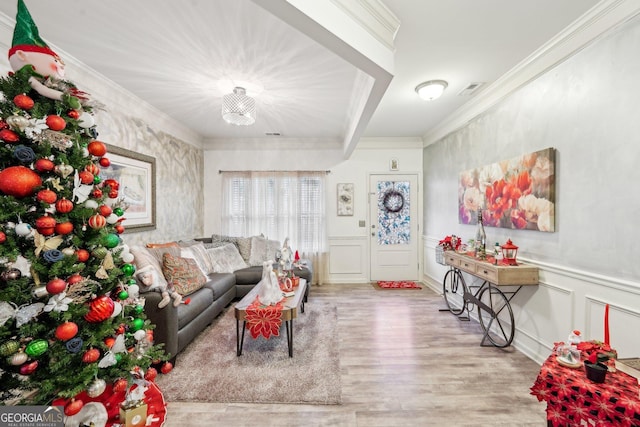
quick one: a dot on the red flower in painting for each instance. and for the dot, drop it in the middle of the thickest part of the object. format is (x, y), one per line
(518, 219)
(264, 321)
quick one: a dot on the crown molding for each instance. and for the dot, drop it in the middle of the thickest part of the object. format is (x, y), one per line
(595, 23)
(374, 16)
(274, 144)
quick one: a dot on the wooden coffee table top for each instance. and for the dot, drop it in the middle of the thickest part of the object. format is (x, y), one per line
(290, 305)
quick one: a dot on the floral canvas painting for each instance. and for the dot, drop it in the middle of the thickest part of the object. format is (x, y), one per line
(518, 193)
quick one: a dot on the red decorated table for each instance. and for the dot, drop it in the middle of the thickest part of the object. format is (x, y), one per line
(573, 400)
(266, 320)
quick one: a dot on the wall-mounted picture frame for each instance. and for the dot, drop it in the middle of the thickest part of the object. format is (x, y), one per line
(393, 165)
(136, 174)
(345, 199)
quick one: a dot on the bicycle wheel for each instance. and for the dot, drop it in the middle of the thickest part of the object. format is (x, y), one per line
(496, 316)
(453, 288)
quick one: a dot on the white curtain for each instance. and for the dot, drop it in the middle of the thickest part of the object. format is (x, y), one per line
(279, 205)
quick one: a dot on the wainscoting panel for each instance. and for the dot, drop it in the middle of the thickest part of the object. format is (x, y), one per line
(348, 260)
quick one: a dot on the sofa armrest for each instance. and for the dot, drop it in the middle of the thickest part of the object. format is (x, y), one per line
(165, 320)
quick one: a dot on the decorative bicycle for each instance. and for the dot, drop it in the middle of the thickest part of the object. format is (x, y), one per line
(494, 309)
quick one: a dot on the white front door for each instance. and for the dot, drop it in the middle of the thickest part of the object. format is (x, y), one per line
(393, 222)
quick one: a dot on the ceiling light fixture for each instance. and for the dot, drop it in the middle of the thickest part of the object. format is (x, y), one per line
(431, 90)
(238, 108)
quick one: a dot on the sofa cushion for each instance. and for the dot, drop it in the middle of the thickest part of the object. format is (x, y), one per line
(242, 243)
(248, 276)
(199, 253)
(226, 259)
(200, 300)
(182, 273)
(220, 283)
(262, 250)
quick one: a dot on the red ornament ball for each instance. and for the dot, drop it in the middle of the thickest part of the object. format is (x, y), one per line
(47, 196)
(74, 278)
(91, 355)
(166, 367)
(82, 254)
(100, 309)
(112, 183)
(97, 221)
(7, 135)
(113, 194)
(55, 122)
(105, 210)
(3, 237)
(97, 148)
(23, 101)
(19, 181)
(56, 285)
(66, 331)
(73, 407)
(29, 368)
(151, 374)
(64, 228)
(97, 193)
(44, 165)
(74, 114)
(64, 205)
(119, 228)
(85, 177)
(120, 386)
(104, 162)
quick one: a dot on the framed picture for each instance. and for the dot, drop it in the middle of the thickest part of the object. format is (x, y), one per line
(136, 174)
(393, 164)
(345, 199)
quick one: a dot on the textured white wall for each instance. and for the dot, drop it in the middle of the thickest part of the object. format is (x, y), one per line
(587, 108)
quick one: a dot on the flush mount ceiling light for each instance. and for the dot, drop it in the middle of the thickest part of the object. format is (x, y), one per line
(431, 90)
(238, 108)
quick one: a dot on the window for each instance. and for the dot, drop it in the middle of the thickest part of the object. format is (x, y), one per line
(278, 205)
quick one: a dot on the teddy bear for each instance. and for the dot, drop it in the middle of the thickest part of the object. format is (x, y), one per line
(148, 279)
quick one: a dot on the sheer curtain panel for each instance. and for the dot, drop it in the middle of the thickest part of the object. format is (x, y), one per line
(278, 205)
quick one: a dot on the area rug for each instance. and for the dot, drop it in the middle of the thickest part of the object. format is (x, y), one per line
(208, 370)
(396, 284)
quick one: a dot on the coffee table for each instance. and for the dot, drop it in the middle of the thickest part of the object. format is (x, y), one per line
(290, 308)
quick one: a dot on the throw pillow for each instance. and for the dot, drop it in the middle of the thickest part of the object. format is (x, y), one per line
(163, 245)
(144, 260)
(244, 247)
(198, 252)
(226, 259)
(182, 273)
(189, 253)
(262, 250)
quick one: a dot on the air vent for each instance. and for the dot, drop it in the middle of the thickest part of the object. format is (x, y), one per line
(272, 133)
(470, 89)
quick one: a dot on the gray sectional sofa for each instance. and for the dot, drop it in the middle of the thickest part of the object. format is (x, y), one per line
(176, 327)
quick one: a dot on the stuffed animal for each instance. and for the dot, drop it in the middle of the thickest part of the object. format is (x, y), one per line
(269, 290)
(148, 279)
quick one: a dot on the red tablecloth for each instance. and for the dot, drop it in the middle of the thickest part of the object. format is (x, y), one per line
(572, 399)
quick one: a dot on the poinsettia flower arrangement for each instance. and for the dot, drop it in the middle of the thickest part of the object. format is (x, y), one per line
(450, 243)
(596, 351)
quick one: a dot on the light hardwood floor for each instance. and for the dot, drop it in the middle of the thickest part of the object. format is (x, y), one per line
(403, 363)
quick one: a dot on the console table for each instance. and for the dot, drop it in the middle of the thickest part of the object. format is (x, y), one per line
(500, 283)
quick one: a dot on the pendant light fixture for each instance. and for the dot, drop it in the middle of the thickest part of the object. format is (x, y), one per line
(238, 108)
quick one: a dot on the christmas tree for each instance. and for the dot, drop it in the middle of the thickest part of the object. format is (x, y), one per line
(70, 317)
